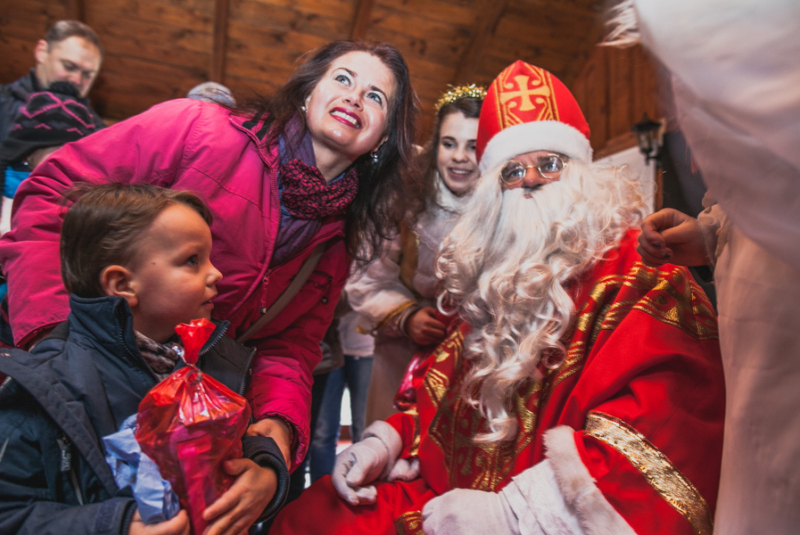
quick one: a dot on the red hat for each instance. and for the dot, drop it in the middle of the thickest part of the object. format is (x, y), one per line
(527, 109)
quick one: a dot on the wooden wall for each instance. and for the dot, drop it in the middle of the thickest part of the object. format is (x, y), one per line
(614, 89)
(158, 49)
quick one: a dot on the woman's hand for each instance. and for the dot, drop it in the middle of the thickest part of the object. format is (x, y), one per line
(280, 433)
(178, 525)
(672, 236)
(241, 505)
(423, 327)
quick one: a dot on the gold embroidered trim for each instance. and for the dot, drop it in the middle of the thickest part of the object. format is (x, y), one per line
(409, 257)
(656, 468)
(393, 313)
(409, 523)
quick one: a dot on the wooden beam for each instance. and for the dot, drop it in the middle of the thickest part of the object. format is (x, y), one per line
(486, 19)
(75, 10)
(220, 40)
(361, 19)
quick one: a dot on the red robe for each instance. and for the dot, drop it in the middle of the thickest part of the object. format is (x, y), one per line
(641, 391)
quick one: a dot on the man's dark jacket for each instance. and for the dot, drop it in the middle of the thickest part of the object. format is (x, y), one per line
(75, 387)
(12, 98)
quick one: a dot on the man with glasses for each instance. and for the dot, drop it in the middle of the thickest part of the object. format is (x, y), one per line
(70, 52)
(578, 391)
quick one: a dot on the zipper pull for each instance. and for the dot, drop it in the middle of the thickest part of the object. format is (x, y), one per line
(66, 453)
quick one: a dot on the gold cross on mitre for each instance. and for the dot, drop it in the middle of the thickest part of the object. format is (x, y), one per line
(524, 93)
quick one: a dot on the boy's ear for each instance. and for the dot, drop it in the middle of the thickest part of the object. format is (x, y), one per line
(116, 282)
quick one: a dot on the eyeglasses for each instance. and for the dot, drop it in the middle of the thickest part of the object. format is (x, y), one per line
(549, 166)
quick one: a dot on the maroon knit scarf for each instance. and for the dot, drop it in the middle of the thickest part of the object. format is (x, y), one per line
(306, 195)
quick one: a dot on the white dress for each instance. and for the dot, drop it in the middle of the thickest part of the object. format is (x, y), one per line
(384, 302)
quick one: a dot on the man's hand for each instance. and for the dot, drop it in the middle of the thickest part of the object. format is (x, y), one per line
(469, 511)
(672, 236)
(357, 467)
(179, 525)
(423, 327)
(280, 433)
(241, 505)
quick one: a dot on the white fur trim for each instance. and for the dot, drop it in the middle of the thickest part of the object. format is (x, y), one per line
(538, 135)
(597, 516)
(390, 438)
(538, 504)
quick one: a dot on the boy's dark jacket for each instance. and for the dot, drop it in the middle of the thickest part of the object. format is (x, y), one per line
(77, 386)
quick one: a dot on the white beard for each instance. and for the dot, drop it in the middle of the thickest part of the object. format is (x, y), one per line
(505, 265)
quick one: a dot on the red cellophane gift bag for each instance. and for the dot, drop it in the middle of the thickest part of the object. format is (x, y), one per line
(189, 424)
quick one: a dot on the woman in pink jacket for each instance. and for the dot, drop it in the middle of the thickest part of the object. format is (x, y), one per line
(318, 162)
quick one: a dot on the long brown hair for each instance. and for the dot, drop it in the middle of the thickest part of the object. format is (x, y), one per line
(388, 190)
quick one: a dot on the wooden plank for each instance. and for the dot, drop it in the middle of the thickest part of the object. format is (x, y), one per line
(486, 20)
(220, 37)
(595, 109)
(75, 10)
(245, 88)
(128, 86)
(243, 66)
(561, 10)
(147, 35)
(171, 47)
(616, 144)
(289, 19)
(335, 9)
(24, 32)
(384, 18)
(241, 35)
(361, 19)
(453, 13)
(33, 12)
(17, 57)
(185, 17)
(553, 61)
(645, 99)
(445, 52)
(545, 31)
(620, 83)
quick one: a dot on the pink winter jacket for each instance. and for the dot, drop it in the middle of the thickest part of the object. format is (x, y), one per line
(197, 146)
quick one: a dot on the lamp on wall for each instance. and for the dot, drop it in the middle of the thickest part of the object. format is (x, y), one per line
(649, 138)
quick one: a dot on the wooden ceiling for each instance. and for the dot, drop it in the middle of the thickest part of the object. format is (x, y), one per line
(158, 49)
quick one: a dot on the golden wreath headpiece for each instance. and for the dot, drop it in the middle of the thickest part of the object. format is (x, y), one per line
(458, 92)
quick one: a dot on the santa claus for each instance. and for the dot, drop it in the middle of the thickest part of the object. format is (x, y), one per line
(579, 390)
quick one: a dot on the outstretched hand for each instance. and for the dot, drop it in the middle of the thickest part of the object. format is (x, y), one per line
(178, 525)
(672, 236)
(241, 505)
(423, 327)
(356, 468)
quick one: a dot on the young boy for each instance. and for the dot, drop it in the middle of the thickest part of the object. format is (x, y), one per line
(136, 261)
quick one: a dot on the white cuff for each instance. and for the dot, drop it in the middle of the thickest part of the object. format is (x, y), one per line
(581, 496)
(389, 437)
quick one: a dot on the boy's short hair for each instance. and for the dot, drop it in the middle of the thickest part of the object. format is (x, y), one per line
(103, 226)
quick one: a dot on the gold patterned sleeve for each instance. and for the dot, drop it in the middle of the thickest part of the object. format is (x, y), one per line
(655, 467)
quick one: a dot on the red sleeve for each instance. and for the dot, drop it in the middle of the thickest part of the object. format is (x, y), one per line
(407, 426)
(654, 394)
(144, 149)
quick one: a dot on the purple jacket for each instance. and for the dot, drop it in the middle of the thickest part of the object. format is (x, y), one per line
(197, 146)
